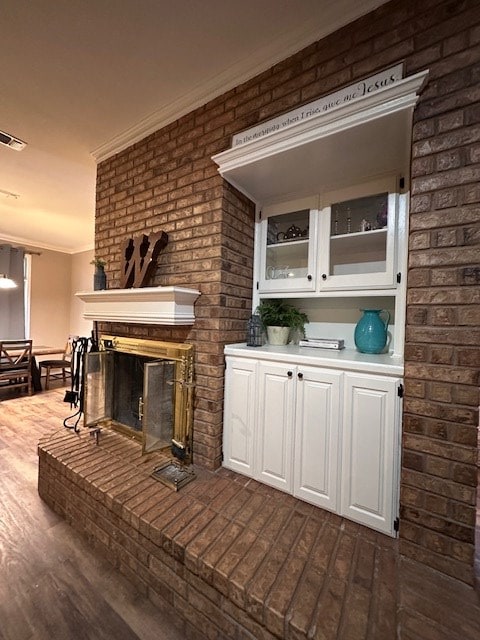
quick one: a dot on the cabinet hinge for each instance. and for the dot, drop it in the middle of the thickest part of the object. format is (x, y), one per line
(396, 524)
(402, 183)
(257, 285)
(399, 277)
(400, 390)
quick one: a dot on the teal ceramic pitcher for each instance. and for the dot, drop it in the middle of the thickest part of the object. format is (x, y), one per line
(371, 331)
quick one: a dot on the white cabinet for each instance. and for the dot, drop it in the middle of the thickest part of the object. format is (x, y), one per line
(298, 429)
(358, 236)
(324, 434)
(239, 415)
(370, 450)
(287, 238)
(317, 430)
(350, 243)
(275, 402)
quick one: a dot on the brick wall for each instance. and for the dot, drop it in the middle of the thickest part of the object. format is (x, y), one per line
(439, 477)
(168, 182)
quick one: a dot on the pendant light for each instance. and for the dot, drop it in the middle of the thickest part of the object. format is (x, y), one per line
(6, 283)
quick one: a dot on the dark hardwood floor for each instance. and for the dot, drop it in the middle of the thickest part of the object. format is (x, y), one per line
(52, 586)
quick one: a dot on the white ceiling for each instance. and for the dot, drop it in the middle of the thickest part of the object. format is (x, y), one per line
(82, 79)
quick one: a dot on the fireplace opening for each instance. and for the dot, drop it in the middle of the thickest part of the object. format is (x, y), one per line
(128, 382)
(128, 406)
(144, 389)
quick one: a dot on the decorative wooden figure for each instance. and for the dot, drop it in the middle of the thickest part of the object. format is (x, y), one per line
(140, 259)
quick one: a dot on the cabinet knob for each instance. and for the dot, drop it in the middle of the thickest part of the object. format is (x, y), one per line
(324, 276)
(289, 374)
(309, 277)
(300, 376)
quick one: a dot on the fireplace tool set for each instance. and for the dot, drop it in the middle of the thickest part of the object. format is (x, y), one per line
(75, 396)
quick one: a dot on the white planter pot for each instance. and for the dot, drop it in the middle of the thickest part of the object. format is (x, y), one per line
(278, 335)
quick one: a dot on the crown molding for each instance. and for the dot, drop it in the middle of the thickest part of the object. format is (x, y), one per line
(337, 14)
(41, 245)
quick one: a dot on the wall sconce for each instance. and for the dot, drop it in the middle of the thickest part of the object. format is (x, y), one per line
(6, 283)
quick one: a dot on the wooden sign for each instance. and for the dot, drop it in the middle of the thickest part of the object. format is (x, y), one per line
(140, 259)
(312, 110)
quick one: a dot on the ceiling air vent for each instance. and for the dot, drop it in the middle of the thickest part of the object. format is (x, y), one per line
(11, 141)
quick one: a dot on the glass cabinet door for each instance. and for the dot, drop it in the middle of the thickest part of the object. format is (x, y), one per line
(359, 232)
(287, 237)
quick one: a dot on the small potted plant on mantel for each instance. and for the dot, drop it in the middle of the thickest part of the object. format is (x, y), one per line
(99, 277)
(280, 318)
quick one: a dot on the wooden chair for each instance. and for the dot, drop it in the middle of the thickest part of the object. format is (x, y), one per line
(16, 365)
(60, 368)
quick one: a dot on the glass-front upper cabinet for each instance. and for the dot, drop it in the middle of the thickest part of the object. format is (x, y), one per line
(286, 242)
(358, 227)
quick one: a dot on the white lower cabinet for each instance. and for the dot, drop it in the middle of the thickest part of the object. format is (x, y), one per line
(239, 415)
(328, 436)
(317, 430)
(297, 431)
(370, 450)
(274, 433)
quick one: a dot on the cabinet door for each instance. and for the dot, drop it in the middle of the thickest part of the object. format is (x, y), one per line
(358, 230)
(370, 452)
(317, 430)
(286, 244)
(276, 388)
(239, 415)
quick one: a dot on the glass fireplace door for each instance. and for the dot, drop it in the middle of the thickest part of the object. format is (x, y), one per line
(158, 405)
(98, 400)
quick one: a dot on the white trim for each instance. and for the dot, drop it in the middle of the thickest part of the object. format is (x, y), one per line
(27, 293)
(337, 15)
(48, 247)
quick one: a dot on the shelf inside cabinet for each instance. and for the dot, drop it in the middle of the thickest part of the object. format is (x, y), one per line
(288, 245)
(361, 241)
(357, 253)
(287, 253)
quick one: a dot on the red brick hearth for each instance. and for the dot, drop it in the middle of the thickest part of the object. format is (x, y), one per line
(237, 559)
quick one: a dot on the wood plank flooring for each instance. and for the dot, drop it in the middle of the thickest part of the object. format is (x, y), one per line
(52, 586)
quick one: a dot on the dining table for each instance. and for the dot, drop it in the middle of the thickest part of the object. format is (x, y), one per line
(42, 350)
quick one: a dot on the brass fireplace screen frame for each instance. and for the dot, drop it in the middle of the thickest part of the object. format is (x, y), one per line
(99, 370)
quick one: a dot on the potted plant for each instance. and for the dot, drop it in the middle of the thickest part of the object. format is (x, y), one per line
(99, 277)
(279, 318)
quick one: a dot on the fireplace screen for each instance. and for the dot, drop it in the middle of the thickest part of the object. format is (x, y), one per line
(142, 388)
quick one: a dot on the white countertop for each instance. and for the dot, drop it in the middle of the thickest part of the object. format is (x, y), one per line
(346, 359)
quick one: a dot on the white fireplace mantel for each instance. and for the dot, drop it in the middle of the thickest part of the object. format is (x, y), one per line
(147, 305)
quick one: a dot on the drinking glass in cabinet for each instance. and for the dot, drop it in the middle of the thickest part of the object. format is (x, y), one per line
(358, 235)
(287, 245)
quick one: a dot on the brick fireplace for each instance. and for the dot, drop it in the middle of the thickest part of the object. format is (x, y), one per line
(168, 182)
(210, 229)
